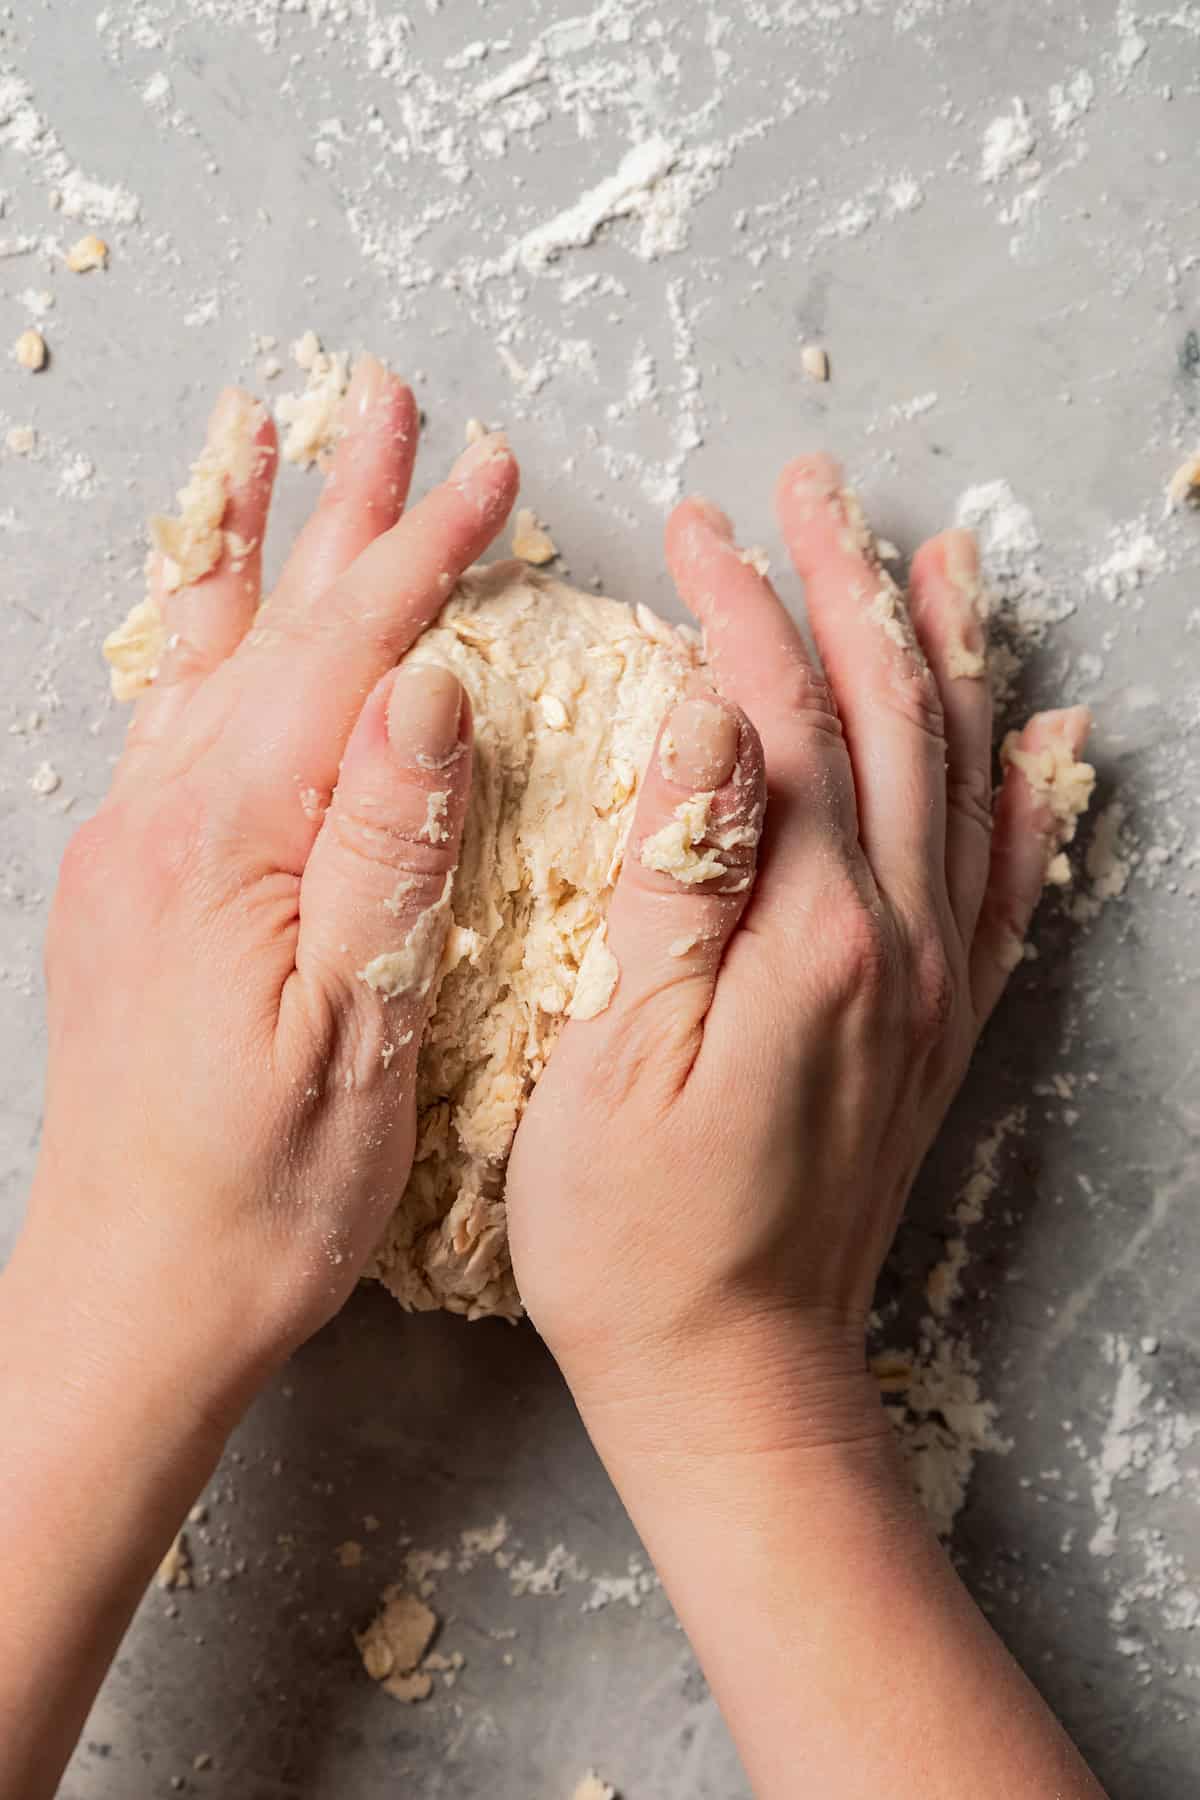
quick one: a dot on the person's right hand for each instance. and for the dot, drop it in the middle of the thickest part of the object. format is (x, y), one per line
(710, 1172)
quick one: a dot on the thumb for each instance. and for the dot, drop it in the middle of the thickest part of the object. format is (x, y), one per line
(687, 875)
(375, 897)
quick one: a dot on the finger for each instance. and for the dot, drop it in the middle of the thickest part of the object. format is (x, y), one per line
(205, 573)
(367, 486)
(306, 670)
(375, 898)
(947, 607)
(761, 663)
(886, 694)
(648, 975)
(1046, 790)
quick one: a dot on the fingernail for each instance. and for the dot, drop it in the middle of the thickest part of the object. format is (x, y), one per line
(699, 746)
(228, 413)
(489, 449)
(424, 714)
(367, 387)
(818, 474)
(961, 557)
(713, 517)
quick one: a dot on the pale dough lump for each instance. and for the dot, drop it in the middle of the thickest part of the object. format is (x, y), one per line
(568, 691)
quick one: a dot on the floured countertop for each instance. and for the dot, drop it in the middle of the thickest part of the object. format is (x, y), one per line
(667, 247)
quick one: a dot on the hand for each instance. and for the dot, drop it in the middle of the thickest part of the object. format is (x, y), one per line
(709, 1174)
(230, 1102)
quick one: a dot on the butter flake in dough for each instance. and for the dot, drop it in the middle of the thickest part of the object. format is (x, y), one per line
(597, 980)
(552, 798)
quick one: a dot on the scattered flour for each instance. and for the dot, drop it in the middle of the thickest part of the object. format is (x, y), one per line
(1009, 141)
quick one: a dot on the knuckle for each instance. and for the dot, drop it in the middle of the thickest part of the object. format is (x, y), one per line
(858, 969)
(915, 697)
(969, 793)
(805, 697)
(933, 990)
(373, 834)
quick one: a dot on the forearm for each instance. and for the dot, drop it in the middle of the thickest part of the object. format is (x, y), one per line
(110, 1426)
(845, 1654)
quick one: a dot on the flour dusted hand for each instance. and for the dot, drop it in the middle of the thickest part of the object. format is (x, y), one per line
(248, 937)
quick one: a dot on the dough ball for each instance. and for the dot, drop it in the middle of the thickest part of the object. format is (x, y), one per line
(568, 691)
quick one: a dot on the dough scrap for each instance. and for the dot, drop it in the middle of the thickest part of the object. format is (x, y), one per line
(531, 541)
(593, 1788)
(313, 417)
(30, 350)
(394, 1643)
(1063, 785)
(550, 810)
(678, 849)
(89, 253)
(1184, 484)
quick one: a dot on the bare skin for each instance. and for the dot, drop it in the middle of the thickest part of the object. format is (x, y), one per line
(222, 1137)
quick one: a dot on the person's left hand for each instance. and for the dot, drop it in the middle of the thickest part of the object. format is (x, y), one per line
(230, 1105)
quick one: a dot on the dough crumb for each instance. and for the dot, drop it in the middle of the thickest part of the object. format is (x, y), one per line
(681, 945)
(90, 252)
(349, 1554)
(45, 779)
(593, 1788)
(475, 430)
(414, 967)
(757, 559)
(30, 350)
(312, 417)
(394, 1642)
(20, 440)
(1063, 786)
(1184, 485)
(190, 546)
(677, 849)
(530, 541)
(435, 830)
(175, 1569)
(815, 362)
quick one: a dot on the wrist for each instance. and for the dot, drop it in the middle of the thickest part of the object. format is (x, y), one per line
(742, 1385)
(188, 1353)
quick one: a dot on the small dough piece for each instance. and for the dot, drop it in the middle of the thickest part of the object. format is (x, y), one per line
(1184, 485)
(414, 967)
(30, 350)
(394, 1643)
(89, 253)
(20, 440)
(313, 417)
(190, 546)
(550, 808)
(531, 541)
(593, 1788)
(175, 1569)
(678, 849)
(1062, 785)
(815, 362)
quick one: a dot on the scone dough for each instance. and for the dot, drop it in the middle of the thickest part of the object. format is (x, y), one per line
(567, 691)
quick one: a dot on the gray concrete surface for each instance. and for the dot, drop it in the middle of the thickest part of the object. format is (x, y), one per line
(348, 167)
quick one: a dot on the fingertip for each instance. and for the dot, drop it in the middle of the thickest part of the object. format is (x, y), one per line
(807, 479)
(1068, 725)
